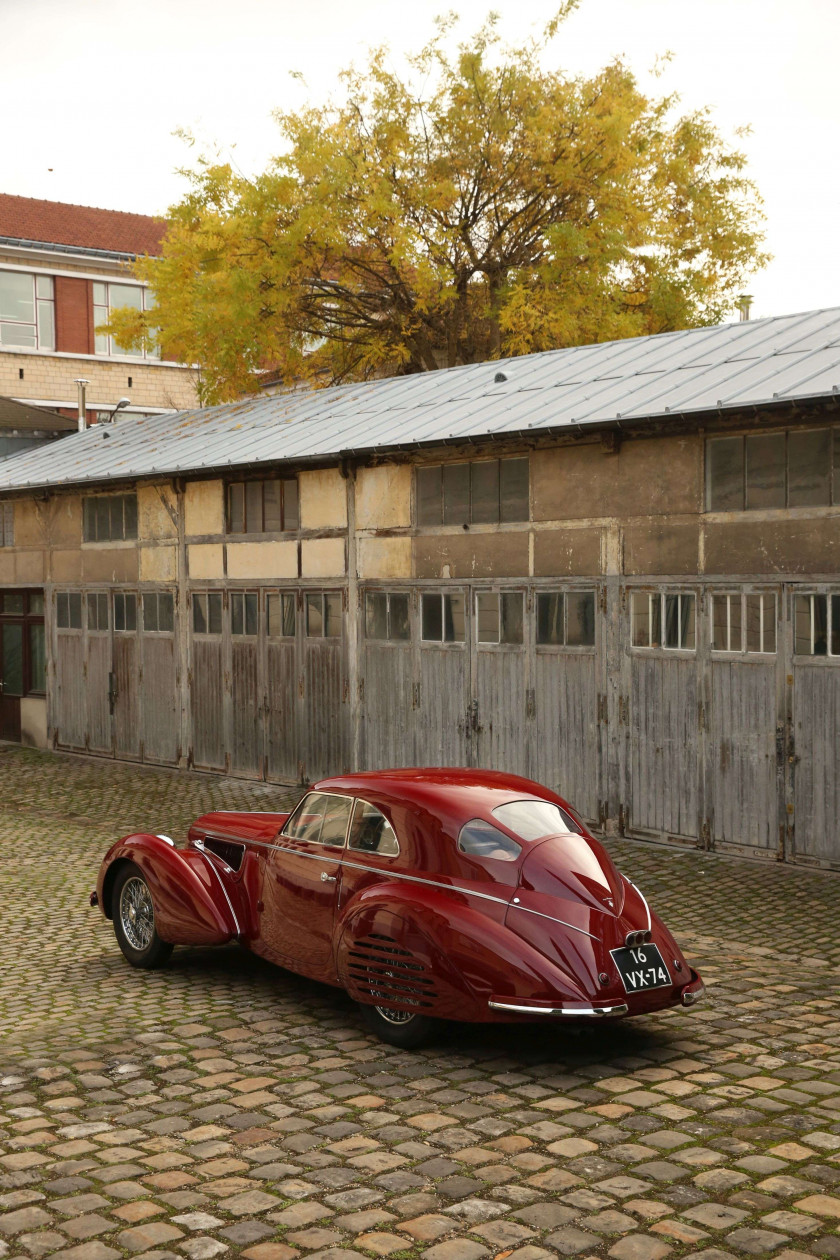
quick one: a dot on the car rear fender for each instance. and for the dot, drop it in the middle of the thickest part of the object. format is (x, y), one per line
(194, 903)
(438, 952)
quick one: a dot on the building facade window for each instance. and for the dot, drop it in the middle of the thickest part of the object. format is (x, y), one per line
(664, 620)
(244, 613)
(744, 622)
(816, 625)
(7, 524)
(68, 610)
(796, 468)
(281, 614)
(482, 492)
(109, 518)
(386, 616)
(566, 618)
(207, 612)
(499, 617)
(323, 615)
(97, 611)
(263, 507)
(158, 612)
(125, 611)
(109, 297)
(27, 311)
(443, 617)
(23, 661)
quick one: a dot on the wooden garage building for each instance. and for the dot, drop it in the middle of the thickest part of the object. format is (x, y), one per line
(614, 568)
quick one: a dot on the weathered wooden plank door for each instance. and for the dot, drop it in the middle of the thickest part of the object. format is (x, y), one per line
(814, 744)
(500, 679)
(98, 674)
(246, 715)
(159, 679)
(325, 727)
(444, 718)
(282, 645)
(125, 676)
(207, 681)
(387, 679)
(68, 714)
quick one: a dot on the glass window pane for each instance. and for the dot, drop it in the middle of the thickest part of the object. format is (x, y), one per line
(456, 494)
(126, 295)
(834, 647)
(315, 616)
(150, 612)
(89, 520)
(687, 630)
(484, 492)
(809, 468)
(236, 509)
(802, 625)
(273, 616)
(44, 287)
(62, 610)
(513, 489)
(753, 626)
(17, 297)
(100, 294)
(289, 615)
(332, 615)
(214, 612)
(428, 484)
(820, 614)
(37, 658)
(46, 325)
(36, 603)
(102, 600)
(398, 623)
(371, 832)
(305, 823)
(253, 507)
(432, 618)
(119, 611)
(512, 617)
(237, 615)
(273, 506)
(641, 619)
(336, 818)
(376, 615)
(453, 619)
(672, 621)
(291, 509)
(836, 494)
(166, 613)
(12, 659)
(550, 618)
(91, 612)
(766, 470)
(580, 619)
(103, 519)
(101, 341)
(725, 474)
(75, 609)
(18, 335)
(487, 609)
(13, 602)
(479, 838)
(117, 525)
(252, 613)
(656, 621)
(130, 515)
(199, 605)
(532, 820)
(769, 604)
(735, 641)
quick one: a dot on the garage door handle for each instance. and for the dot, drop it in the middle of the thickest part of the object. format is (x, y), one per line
(328, 879)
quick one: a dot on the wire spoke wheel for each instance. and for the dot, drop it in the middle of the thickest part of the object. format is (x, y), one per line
(137, 914)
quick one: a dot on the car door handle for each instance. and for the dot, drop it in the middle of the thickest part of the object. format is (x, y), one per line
(328, 879)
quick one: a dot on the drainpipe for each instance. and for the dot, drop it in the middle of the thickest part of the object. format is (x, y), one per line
(81, 385)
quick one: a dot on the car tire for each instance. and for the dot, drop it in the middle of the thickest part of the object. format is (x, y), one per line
(399, 1028)
(134, 920)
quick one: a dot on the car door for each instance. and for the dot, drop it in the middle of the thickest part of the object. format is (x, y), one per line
(301, 884)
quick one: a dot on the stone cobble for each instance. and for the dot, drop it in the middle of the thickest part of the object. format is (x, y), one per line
(223, 1108)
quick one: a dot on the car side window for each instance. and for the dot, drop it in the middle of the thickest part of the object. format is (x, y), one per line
(320, 819)
(482, 839)
(371, 832)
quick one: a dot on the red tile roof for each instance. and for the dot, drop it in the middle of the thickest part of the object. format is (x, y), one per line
(87, 227)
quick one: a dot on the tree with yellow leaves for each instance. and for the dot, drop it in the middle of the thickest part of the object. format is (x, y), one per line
(497, 209)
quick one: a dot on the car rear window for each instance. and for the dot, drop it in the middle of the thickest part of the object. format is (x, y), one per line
(482, 839)
(532, 820)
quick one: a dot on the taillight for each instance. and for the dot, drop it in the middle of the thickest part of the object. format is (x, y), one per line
(632, 939)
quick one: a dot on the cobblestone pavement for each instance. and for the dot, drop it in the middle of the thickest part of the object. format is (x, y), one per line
(222, 1107)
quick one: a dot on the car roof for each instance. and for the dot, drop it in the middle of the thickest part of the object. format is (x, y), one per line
(463, 791)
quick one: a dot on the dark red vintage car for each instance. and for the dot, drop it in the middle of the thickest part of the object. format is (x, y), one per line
(426, 894)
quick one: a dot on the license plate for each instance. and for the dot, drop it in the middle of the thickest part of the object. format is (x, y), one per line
(641, 968)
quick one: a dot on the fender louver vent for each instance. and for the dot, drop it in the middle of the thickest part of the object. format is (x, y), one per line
(382, 969)
(227, 850)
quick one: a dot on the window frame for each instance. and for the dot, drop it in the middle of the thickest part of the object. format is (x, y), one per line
(262, 482)
(387, 595)
(831, 595)
(470, 519)
(361, 802)
(661, 594)
(37, 301)
(341, 796)
(90, 516)
(500, 644)
(283, 595)
(27, 620)
(324, 594)
(243, 595)
(157, 596)
(125, 595)
(833, 430)
(448, 644)
(743, 595)
(565, 646)
(206, 595)
(113, 351)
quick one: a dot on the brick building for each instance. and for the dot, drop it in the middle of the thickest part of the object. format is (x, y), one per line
(62, 269)
(615, 568)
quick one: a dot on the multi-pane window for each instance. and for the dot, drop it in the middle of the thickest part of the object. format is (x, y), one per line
(158, 612)
(281, 614)
(68, 610)
(323, 615)
(664, 620)
(442, 618)
(27, 311)
(207, 612)
(798, 468)
(22, 643)
(386, 616)
(97, 611)
(816, 625)
(125, 610)
(499, 616)
(482, 492)
(744, 622)
(566, 618)
(262, 507)
(108, 297)
(110, 518)
(244, 613)
(7, 524)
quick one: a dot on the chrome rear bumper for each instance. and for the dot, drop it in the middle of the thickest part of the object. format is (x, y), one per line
(580, 1012)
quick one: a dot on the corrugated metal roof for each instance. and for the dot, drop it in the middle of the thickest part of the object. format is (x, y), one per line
(791, 358)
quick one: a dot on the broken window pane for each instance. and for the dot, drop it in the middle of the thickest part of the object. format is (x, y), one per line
(398, 623)
(289, 615)
(456, 494)
(432, 618)
(550, 618)
(580, 619)
(511, 617)
(315, 616)
(429, 496)
(809, 468)
(332, 615)
(453, 619)
(376, 615)
(513, 478)
(487, 610)
(725, 474)
(641, 619)
(484, 492)
(766, 470)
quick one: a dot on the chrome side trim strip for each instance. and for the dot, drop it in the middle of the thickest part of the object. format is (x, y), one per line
(572, 926)
(432, 883)
(644, 902)
(200, 846)
(621, 1008)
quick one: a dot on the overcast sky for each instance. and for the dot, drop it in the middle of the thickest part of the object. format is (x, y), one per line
(93, 90)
